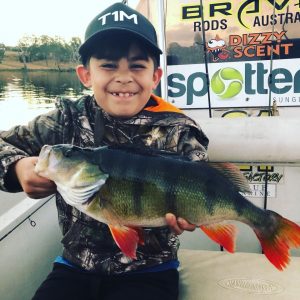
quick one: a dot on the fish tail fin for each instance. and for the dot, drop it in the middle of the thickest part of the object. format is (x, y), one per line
(276, 245)
(223, 234)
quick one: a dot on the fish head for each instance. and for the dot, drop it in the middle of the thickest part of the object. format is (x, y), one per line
(69, 165)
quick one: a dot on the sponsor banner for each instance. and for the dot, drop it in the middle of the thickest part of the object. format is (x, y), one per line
(245, 15)
(257, 173)
(258, 191)
(235, 84)
(234, 30)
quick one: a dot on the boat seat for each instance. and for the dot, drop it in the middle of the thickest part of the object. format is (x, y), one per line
(213, 275)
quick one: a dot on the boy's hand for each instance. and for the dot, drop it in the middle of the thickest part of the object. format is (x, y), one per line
(33, 185)
(179, 225)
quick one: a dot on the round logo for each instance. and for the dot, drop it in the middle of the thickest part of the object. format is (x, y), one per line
(251, 286)
(227, 83)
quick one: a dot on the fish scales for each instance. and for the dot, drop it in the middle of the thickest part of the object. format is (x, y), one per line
(128, 188)
(193, 190)
(179, 186)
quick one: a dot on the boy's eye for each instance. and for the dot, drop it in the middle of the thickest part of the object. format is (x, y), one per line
(109, 65)
(137, 66)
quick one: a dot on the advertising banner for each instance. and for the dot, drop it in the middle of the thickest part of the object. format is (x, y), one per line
(233, 53)
(235, 84)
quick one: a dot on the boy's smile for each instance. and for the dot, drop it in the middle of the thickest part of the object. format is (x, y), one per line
(122, 94)
(121, 87)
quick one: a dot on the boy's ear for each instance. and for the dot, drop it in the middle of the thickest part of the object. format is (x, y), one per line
(83, 74)
(157, 76)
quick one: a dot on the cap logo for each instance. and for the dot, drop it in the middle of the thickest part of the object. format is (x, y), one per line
(118, 16)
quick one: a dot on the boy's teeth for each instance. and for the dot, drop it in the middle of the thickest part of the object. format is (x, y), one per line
(122, 94)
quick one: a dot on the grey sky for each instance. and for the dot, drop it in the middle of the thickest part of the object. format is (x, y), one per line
(65, 18)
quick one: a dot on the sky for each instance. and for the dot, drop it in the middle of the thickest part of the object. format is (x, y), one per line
(64, 18)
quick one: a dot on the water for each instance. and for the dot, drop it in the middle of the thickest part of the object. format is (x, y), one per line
(24, 95)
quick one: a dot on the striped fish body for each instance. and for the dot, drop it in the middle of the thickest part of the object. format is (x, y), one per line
(142, 188)
(128, 188)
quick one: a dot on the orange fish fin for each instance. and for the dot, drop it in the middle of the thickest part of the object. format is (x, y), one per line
(126, 238)
(233, 173)
(223, 234)
(276, 246)
(140, 233)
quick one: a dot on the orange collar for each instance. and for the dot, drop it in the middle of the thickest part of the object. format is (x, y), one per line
(162, 106)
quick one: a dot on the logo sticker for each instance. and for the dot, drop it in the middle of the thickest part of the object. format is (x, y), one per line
(227, 83)
(252, 286)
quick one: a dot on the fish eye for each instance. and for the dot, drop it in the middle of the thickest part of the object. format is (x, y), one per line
(68, 153)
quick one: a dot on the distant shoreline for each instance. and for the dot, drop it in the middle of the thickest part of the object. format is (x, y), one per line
(36, 70)
(11, 63)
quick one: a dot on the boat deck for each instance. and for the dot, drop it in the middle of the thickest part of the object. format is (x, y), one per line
(211, 275)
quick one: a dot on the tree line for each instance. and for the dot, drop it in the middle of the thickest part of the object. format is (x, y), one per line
(36, 48)
(2, 52)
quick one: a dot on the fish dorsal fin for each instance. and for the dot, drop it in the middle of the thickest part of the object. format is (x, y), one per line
(233, 173)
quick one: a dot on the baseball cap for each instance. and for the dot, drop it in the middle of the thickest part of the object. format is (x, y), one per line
(119, 18)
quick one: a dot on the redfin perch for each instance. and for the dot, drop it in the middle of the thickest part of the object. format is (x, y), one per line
(129, 189)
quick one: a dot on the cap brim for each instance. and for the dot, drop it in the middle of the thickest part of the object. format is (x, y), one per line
(96, 38)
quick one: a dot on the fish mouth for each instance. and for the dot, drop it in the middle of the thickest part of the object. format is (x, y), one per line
(43, 159)
(45, 152)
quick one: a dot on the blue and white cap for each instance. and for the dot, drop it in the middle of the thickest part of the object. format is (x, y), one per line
(119, 18)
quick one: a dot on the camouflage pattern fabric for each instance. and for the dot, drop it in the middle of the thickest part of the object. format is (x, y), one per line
(87, 243)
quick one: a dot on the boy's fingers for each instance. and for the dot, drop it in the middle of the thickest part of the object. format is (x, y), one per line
(185, 225)
(172, 222)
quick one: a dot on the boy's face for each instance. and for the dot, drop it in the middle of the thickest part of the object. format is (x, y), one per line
(121, 87)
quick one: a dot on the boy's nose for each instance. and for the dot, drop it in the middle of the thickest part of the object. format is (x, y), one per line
(123, 76)
(124, 79)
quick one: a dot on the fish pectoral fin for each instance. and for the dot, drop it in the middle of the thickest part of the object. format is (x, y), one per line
(140, 232)
(126, 238)
(223, 234)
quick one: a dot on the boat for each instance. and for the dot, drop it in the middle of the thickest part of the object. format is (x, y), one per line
(237, 74)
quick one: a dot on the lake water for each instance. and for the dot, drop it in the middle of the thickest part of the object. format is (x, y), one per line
(24, 95)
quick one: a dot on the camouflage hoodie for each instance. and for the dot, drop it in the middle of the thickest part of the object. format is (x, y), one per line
(86, 242)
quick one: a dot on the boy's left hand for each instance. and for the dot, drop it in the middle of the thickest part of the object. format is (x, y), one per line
(179, 225)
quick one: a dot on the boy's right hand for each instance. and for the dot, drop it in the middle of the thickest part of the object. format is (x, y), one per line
(33, 185)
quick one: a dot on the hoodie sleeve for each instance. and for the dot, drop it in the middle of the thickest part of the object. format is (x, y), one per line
(24, 141)
(183, 135)
(192, 142)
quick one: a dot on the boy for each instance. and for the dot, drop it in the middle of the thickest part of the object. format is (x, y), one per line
(120, 63)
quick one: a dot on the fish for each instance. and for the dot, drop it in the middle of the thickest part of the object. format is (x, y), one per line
(131, 188)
